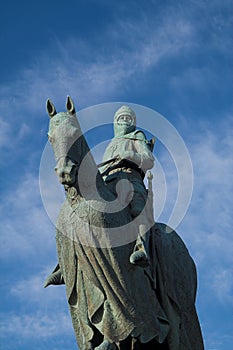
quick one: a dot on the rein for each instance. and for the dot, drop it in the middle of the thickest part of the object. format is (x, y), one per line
(108, 161)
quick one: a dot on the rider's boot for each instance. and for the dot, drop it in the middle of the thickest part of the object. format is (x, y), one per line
(139, 256)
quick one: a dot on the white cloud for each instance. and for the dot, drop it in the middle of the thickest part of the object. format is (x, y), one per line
(222, 285)
(4, 132)
(35, 326)
(23, 131)
(31, 291)
(207, 226)
(93, 73)
(147, 43)
(72, 68)
(24, 225)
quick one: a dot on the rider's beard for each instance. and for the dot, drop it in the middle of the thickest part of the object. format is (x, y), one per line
(123, 129)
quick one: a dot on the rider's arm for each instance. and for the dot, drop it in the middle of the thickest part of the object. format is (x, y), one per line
(141, 153)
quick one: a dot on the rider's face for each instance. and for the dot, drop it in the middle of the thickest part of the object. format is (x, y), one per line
(125, 120)
(124, 124)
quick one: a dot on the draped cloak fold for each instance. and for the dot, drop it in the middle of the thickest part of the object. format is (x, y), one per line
(107, 293)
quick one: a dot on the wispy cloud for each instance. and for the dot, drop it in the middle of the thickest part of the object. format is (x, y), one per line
(222, 285)
(72, 68)
(207, 227)
(35, 325)
(65, 69)
(30, 290)
(24, 225)
(4, 132)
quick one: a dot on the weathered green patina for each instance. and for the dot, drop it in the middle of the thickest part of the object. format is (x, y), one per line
(118, 300)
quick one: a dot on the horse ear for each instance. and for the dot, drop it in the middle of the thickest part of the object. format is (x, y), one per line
(70, 105)
(50, 108)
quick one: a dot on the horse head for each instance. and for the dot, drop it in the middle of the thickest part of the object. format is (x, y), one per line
(64, 133)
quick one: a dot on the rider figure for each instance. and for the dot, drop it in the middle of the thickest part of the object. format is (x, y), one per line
(128, 156)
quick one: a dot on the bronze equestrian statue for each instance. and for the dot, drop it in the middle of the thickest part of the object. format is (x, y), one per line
(135, 295)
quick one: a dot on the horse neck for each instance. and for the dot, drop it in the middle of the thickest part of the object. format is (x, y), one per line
(90, 183)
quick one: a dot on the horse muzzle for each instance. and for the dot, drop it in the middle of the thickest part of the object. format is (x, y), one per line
(66, 171)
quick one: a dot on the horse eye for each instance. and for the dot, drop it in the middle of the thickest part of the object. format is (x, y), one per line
(50, 138)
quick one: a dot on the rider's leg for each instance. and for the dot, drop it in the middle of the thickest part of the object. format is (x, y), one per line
(140, 255)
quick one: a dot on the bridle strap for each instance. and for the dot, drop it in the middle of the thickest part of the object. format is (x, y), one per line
(69, 158)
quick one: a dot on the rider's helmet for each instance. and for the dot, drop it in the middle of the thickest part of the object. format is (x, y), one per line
(124, 121)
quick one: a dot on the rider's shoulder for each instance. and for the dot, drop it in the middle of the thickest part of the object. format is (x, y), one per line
(139, 134)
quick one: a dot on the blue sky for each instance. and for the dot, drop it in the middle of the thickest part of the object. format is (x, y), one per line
(173, 57)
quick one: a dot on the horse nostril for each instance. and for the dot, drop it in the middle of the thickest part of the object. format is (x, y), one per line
(65, 173)
(60, 173)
